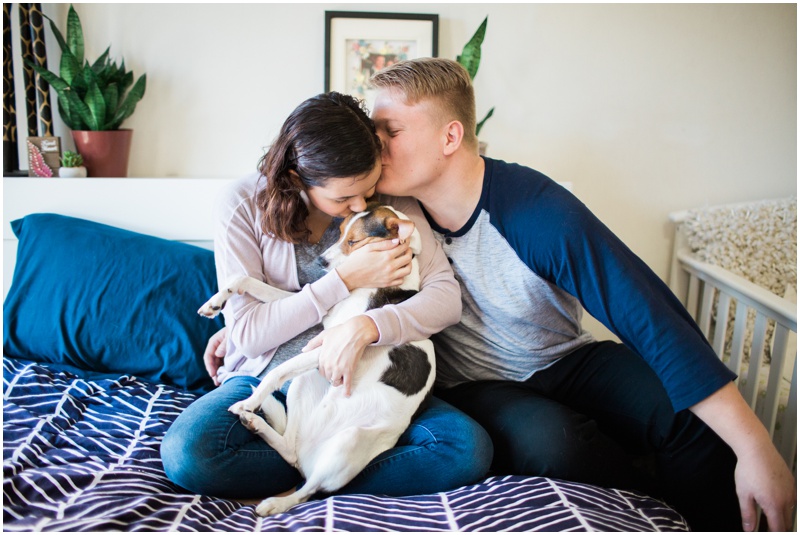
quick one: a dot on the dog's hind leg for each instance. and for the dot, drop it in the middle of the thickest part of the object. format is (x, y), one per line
(284, 445)
(336, 462)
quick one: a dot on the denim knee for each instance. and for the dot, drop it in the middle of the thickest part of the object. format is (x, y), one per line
(463, 445)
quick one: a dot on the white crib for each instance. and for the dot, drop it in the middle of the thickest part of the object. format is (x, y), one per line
(741, 319)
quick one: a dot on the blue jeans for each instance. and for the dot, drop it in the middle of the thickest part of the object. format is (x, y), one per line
(207, 451)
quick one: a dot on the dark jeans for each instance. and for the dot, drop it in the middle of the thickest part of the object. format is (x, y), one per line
(600, 415)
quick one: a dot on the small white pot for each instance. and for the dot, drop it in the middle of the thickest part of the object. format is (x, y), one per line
(72, 172)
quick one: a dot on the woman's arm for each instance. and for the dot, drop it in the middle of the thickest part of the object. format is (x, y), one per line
(241, 248)
(437, 305)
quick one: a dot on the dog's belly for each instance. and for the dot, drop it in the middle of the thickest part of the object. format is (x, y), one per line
(389, 386)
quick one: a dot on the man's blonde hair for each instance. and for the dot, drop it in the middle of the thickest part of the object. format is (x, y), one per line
(443, 81)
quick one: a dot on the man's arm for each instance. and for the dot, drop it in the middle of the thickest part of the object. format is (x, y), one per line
(762, 476)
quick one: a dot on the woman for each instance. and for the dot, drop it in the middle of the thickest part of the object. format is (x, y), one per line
(273, 226)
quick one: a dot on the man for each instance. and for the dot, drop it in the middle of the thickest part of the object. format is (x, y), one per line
(658, 413)
(556, 402)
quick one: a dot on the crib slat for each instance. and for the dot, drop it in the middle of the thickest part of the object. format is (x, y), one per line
(705, 308)
(691, 297)
(770, 412)
(737, 344)
(788, 444)
(721, 323)
(756, 352)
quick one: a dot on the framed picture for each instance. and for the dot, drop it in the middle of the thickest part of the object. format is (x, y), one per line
(357, 44)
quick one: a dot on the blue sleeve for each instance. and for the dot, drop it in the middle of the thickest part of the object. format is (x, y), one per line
(563, 242)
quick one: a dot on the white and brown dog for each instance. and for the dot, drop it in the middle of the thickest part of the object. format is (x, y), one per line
(327, 436)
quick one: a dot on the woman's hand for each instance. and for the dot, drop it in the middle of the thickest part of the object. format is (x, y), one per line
(341, 348)
(215, 353)
(377, 265)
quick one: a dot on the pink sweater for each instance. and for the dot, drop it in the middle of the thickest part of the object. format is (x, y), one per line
(256, 329)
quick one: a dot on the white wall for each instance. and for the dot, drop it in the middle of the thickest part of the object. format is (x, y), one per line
(645, 108)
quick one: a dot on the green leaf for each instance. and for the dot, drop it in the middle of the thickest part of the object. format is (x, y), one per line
(111, 96)
(100, 62)
(80, 108)
(70, 118)
(70, 68)
(55, 82)
(470, 57)
(97, 106)
(134, 96)
(480, 124)
(59, 38)
(75, 34)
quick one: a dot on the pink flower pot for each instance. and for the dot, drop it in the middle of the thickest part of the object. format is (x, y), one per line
(106, 152)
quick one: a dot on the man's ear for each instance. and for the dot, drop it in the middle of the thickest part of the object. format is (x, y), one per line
(454, 135)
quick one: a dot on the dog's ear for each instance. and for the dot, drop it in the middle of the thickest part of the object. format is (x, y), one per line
(404, 227)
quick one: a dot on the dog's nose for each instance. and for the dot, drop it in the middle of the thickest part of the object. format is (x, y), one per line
(322, 262)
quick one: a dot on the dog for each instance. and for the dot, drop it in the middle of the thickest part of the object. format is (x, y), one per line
(326, 435)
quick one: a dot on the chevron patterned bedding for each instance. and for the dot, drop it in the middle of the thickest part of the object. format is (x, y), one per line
(81, 453)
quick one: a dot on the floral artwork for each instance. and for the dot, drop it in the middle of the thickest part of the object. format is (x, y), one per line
(368, 56)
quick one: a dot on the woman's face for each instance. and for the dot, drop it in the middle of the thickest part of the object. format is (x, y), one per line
(340, 197)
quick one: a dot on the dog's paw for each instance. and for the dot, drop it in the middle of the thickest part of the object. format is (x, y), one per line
(214, 306)
(251, 421)
(243, 407)
(274, 506)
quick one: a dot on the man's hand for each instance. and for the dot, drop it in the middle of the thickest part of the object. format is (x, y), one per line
(341, 348)
(761, 476)
(215, 353)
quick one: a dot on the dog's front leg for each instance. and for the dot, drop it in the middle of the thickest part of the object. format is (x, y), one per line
(275, 379)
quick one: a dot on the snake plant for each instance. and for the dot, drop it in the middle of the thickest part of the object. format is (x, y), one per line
(90, 97)
(470, 59)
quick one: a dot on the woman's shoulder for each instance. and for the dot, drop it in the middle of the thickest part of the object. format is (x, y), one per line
(239, 194)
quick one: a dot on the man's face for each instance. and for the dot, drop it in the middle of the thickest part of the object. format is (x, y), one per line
(411, 143)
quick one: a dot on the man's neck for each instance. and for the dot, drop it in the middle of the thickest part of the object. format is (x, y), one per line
(451, 199)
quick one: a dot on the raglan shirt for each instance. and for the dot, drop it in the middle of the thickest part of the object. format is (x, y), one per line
(530, 255)
(256, 329)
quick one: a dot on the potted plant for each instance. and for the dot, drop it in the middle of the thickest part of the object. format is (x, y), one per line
(470, 59)
(93, 100)
(72, 165)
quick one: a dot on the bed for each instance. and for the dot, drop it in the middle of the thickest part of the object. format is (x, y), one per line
(102, 351)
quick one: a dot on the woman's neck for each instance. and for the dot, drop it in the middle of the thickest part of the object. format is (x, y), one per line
(317, 222)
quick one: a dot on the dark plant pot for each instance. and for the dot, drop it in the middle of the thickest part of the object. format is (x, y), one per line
(106, 152)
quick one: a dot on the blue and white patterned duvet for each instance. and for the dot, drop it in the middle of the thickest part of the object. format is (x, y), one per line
(82, 454)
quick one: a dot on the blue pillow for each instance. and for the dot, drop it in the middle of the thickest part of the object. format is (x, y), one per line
(106, 299)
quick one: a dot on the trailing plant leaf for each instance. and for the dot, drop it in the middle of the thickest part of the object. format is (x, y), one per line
(37, 163)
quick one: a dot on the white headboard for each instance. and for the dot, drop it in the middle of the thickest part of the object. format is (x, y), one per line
(172, 208)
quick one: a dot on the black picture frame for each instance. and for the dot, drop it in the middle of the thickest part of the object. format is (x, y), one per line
(371, 38)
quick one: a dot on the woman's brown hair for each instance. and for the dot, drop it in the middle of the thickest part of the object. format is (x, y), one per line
(327, 136)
